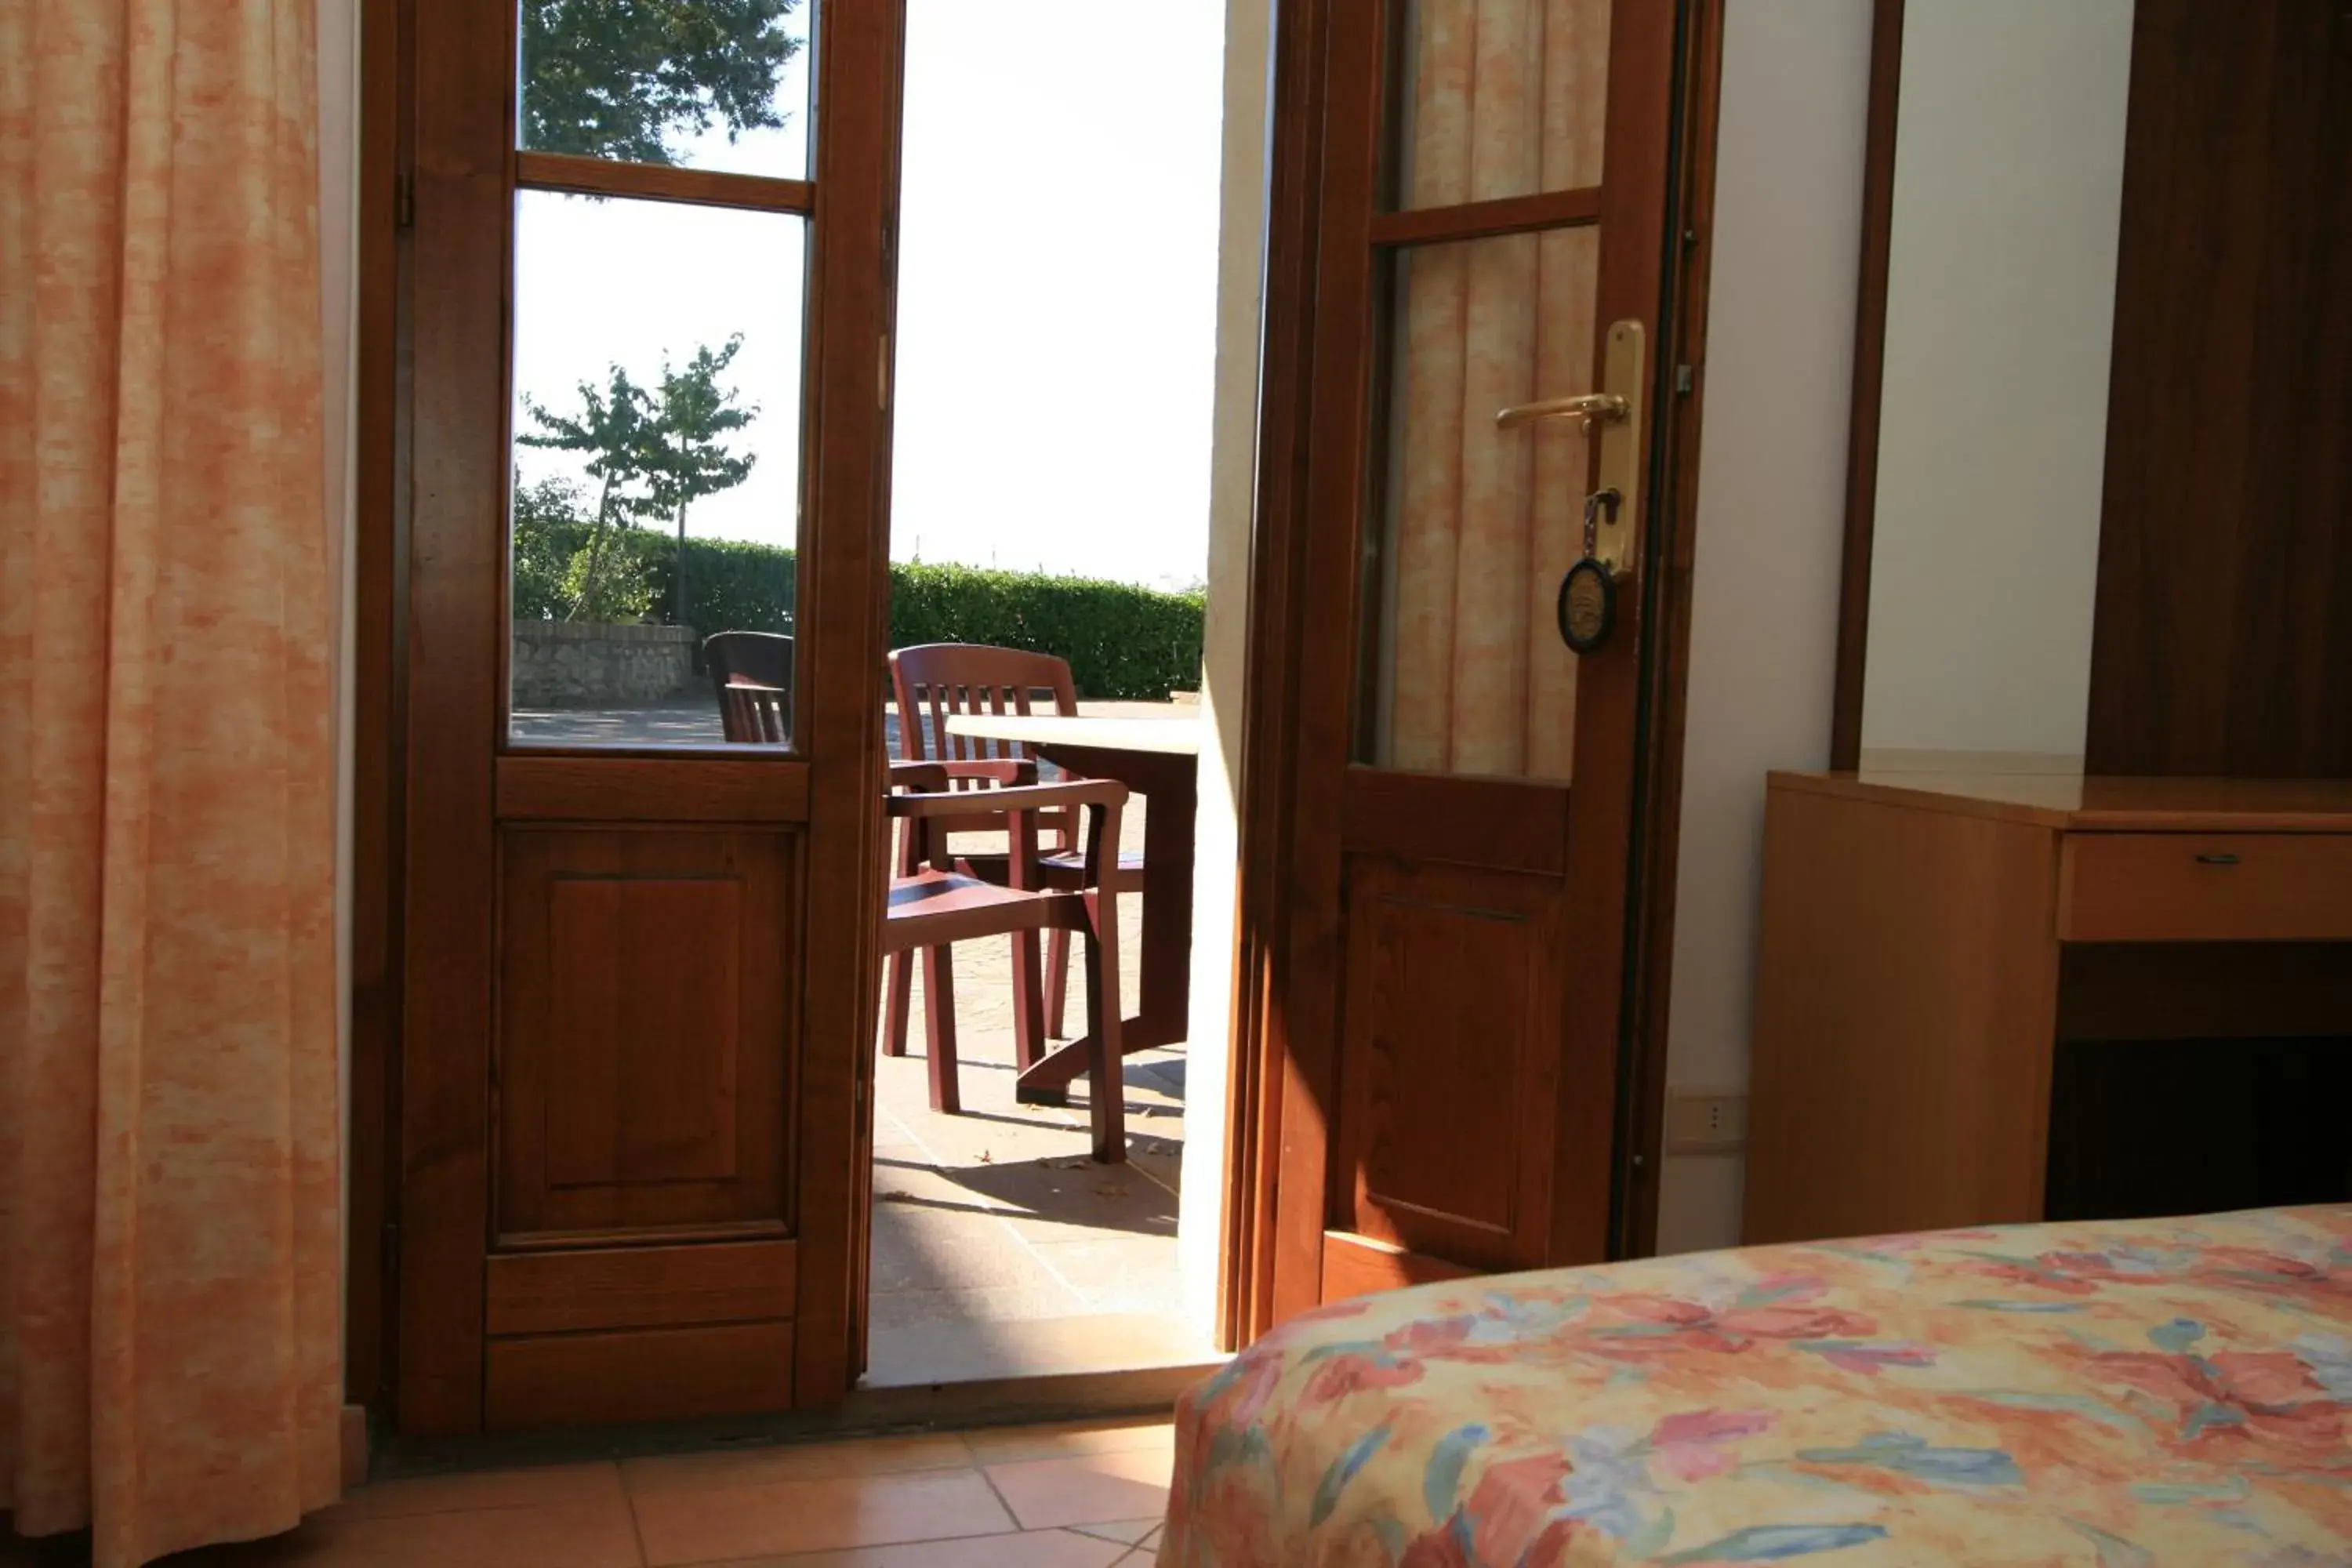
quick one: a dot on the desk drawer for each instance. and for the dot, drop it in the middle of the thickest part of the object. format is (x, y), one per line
(2205, 886)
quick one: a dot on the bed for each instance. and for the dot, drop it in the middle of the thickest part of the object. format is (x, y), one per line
(2173, 1392)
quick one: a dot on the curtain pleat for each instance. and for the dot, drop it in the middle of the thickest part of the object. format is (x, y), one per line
(170, 1332)
(1506, 98)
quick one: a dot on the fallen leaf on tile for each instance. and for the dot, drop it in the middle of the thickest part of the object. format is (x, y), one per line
(895, 1196)
(1110, 1190)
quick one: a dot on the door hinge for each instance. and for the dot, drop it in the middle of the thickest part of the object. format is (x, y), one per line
(404, 202)
(1684, 379)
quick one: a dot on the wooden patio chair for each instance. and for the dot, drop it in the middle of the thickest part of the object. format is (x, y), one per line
(752, 659)
(935, 904)
(750, 714)
(930, 683)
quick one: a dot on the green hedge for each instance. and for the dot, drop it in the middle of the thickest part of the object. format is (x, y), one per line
(1122, 641)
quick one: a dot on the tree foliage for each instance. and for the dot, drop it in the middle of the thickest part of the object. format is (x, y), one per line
(551, 519)
(693, 417)
(652, 454)
(615, 432)
(617, 78)
(691, 459)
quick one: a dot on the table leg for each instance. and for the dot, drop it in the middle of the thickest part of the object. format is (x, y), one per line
(1165, 1004)
(1169, 783)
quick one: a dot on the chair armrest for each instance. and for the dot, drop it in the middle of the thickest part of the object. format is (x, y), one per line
(1002, 771)
(1020, 806)
(1004, 802)
(928, 776)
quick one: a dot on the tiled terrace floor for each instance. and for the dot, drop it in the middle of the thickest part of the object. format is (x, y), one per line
(1039, 1497)
(999, 1247)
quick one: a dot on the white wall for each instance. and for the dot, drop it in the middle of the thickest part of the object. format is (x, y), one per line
(1999, 310)
(1779, 361)
(1241, 243)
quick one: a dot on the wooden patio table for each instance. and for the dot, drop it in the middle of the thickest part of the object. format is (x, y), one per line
(1159, 760)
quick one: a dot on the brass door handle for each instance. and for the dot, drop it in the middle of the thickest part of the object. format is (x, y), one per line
(1590, 408)
(1612, 540)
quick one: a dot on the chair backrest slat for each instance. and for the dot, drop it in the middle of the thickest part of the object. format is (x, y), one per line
(938, 680)
(750, 714)
(760, 661)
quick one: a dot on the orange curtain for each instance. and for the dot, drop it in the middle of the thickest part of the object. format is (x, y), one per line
(169, 1253)
(1505, 98)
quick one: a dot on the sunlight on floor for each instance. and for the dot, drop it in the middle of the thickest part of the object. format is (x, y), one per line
(1000, 1249)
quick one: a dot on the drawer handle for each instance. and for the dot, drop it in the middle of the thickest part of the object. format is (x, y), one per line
(2217, 859)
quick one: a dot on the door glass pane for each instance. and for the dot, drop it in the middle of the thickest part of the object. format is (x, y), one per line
(701, 84)
(1464, 671)
(656, 466)
(1495, 98)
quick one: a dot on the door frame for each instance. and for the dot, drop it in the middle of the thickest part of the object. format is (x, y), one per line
(1267, 1077)
(1278, 572)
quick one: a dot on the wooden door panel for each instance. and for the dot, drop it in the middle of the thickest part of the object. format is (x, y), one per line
(644, 992)
(1448, 1055)
(647, 978)
(1353, 1266)
(656, 1375)
(1503, 824)
(640, 1287)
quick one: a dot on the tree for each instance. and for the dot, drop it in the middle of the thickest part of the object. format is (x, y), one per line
(614, 79)
(615, 429)
(689, 458)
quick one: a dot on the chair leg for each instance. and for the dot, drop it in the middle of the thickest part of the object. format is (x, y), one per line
(938, 1027)
(897, 1001)
(1057, 982)
(1107, 1076)
(898, 998)
(1028, 1007)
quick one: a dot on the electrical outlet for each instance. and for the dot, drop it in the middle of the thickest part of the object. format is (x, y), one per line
(1705, 1123)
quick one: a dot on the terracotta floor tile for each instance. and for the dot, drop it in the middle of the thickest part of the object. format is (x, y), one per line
(796, 1462)
(1086, 1489)
(565, 1536)
(1031, 1549)
(1048, 1298)
(916, 1248)
(1126, 1531)
(1034, 1347)
(1114, 1273)
(322, 1541)
(1069, 1439)
(721, 1523)
(546, 1486)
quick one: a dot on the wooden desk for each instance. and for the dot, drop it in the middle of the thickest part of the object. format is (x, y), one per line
(1945, 947)
(1158, 759)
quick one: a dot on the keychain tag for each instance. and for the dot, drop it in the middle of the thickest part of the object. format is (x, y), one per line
(1587, 594)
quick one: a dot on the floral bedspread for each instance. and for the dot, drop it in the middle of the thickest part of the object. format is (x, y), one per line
(2173, 1392)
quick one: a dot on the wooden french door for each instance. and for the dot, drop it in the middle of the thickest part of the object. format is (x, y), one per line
(638, 961)
(1488, 205)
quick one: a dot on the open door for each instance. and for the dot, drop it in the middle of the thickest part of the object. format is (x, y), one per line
(1449, 831)
(645, 285)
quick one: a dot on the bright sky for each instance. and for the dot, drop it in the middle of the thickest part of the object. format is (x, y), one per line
(1057, 293)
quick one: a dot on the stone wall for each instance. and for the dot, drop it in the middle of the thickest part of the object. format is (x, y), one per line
(578, 664)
